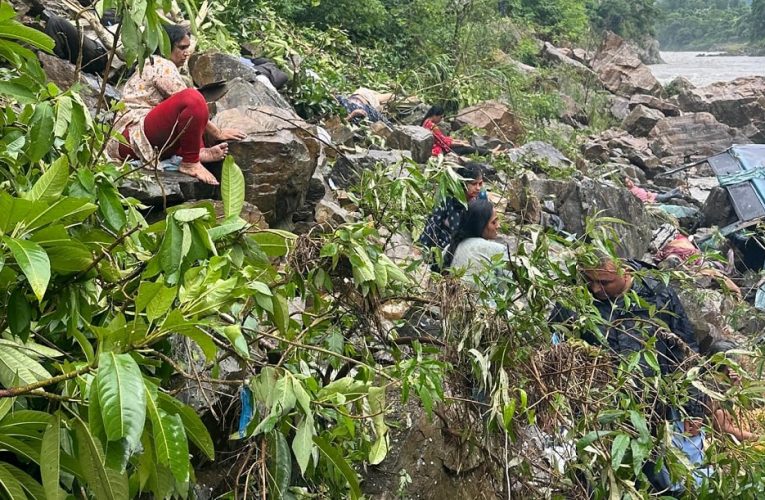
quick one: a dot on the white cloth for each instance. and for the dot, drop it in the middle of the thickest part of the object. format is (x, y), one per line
(474, 255)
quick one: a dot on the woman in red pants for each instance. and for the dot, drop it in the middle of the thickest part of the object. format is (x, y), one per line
(163, 117)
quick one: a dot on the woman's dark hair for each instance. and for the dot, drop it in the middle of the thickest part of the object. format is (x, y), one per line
(721, 345)
(433, 111)
(471, 170)
(175, 33)
(471, 225)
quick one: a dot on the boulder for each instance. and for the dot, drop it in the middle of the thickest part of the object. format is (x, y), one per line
(317, 189)
(641, 120)
(493, 118)
(693, 134)
(278, 158)
(738, 103)
(620, 107)
(330, 213)
(612, 141)
(417, 140)
(647, 49)
(563, 57)
(718, 210)
(536, 153)
(165, 189)
(620, 69)
(339, 132)
(705, 310)
(649, 101)
(241, 93)
(576, 200)
(62, 73)
(348, 168)
(678, 85)
(572, 113)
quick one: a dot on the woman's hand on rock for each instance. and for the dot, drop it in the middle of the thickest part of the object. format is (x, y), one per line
(230, 134)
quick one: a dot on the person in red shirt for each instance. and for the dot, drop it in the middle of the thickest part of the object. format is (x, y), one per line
(442, 143)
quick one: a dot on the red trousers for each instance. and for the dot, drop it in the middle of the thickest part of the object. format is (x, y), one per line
(175, 126)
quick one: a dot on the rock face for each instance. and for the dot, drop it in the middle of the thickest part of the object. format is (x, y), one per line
(641, 120)
(693, 134)
(492, 117)
(157, 189)
(243, 93)
(575, 200)
(62, 73)
(621, 70)
(348, 168)
(278, 158)
(560, 57)
(739, 103)
(416, 140)
(653, 102)
(538, 152)
(616, 143)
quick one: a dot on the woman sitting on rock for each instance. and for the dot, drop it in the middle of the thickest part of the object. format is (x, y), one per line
(163, 115)
(442, 143)
(474, 244)
(446, 216)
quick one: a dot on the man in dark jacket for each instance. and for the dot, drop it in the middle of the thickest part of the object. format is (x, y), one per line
(630, 323)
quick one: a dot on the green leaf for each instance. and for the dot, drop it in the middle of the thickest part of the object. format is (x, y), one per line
(10, 486)
(16, 368)
(281, 314)
(232, 189)
(379, 450)
(234, 335)
(19, 314)
(66, 210)
(618, 448)
(302, 444)
(52, 183)
(155, 297)
(279, 465)
(122, 397)
(336, 457)
(31, 487)
(190, 214)
(273, 242)
(195, 429)
(40, 137)
(170, 251)
(106, 484)
(12, 211)
(50, 469)
(170, 443)
(111, 207)
(34, 263)
(77, 127)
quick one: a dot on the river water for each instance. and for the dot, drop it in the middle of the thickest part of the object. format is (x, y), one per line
(705, 70)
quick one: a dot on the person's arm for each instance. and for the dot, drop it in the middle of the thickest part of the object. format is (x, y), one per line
(723, 422)
(224, 134)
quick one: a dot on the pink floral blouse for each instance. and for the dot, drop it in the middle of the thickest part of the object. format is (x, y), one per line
(159, 80)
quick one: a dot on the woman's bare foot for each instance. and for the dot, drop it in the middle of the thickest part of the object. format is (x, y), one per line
(215, 153)
(199, 171)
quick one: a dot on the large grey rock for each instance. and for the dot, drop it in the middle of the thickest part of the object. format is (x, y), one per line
(493, 118)
(739, 103)
(417, 140)
(348, 168)
(693, 134)
(561, 57)
(653, 102)
(679, 84)
(576, 200)
(62, 73)
(706, 312)
(278, 158)
(165, 189)
(619, 107)
(635, 149)
(238, 93)
(538, 153)
(641, 120)
(647, 49)
(620, 69)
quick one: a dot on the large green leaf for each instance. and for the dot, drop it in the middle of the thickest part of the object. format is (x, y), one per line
(274, 242)
(106, 484)
(13, 30)
(40, 137)
(16, 368)
(34, 263)
(122, 397)
(111, 207)
(19, 314)
(195, 429)
(10, 487)
(155, 297)
(336, 457)
(232, 188)
(279, 465)
(302, 444)
(170, 443)
(52, 182)
(31, 487)
(379, 450)
(65, 210)
(12, 211)
(50, 469)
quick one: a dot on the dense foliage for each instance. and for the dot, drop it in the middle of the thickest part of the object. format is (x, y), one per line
(107, 314)
(704, 24)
